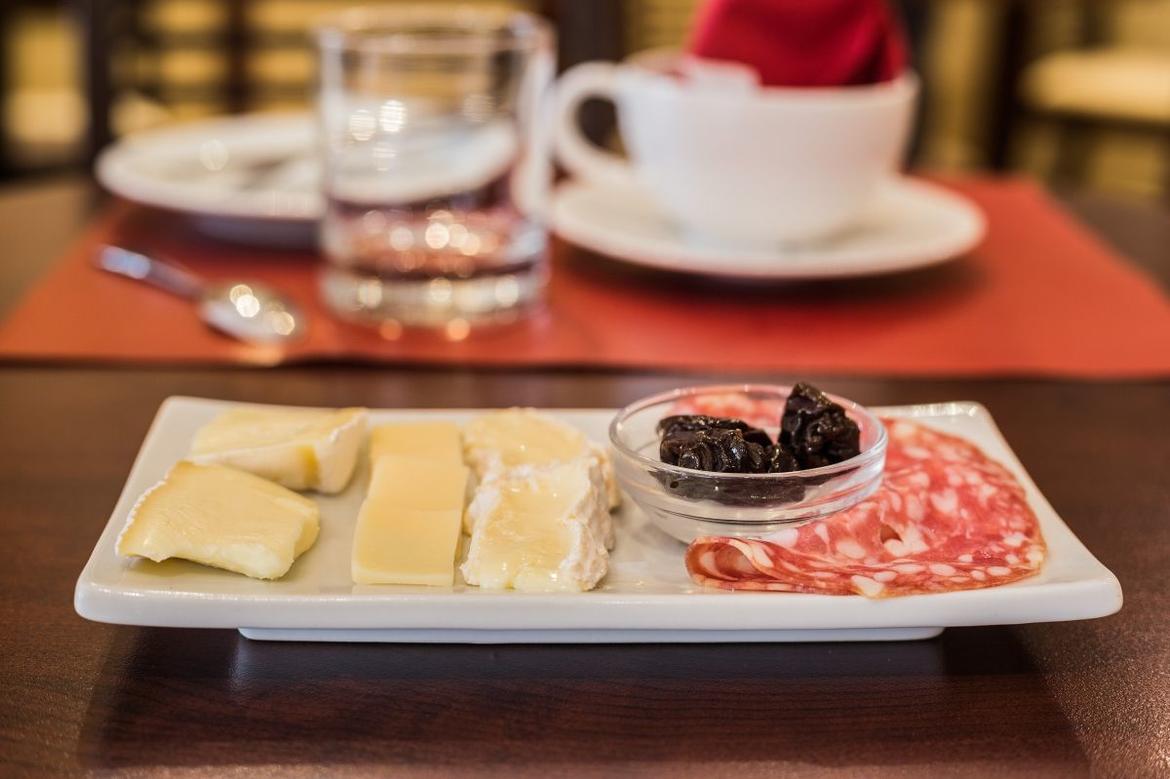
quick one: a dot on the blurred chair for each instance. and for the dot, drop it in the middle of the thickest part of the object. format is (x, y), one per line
(1099, 85)
(40, 109)
(151, 61)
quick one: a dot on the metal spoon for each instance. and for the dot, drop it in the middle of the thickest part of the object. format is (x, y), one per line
(246, 310)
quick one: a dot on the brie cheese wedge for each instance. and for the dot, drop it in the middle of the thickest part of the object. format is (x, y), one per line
(538, 529)
(303, 449)
(498, 441)
(221, 517)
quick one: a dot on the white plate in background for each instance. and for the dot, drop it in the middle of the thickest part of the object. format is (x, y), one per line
(910, 224)
(646, 597)
(256, 178)
(251, 178)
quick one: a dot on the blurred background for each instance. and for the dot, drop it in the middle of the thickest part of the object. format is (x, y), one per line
(1074, 92)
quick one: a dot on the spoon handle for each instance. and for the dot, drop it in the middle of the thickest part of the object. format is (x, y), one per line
(150, 271)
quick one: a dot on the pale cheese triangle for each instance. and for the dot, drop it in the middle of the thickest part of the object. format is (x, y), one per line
(303, 449)
(221, 517)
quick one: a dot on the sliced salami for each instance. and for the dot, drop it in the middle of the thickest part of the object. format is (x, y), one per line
(946, 517)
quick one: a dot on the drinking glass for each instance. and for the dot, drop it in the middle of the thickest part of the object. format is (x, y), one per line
(436, 164)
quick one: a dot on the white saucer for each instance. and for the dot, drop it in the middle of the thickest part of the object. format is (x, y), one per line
(911, 224)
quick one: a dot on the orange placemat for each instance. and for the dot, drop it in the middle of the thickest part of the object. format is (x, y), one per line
(1040, 296)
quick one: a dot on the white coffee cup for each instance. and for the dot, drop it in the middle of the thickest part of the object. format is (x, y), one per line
(734, 163)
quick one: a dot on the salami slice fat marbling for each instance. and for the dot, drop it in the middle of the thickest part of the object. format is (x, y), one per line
(946, 517)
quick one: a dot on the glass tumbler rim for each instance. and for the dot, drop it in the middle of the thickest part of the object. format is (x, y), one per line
(462, 30)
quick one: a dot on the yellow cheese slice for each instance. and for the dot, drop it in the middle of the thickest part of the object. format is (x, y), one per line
(221, 517)
(437, 440)
(303, 449)
(408, 527)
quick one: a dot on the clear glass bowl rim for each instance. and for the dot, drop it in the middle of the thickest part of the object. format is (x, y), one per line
(865, 457)
(387, 30)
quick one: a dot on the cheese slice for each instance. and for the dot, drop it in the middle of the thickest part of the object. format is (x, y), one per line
(408, 527)
(221, 517)
(436, 440)
(537, 529)
(501, 440)
(303, 449)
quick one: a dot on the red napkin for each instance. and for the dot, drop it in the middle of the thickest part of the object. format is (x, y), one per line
(803, 43)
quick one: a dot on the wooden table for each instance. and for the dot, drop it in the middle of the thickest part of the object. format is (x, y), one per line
(1039, 700)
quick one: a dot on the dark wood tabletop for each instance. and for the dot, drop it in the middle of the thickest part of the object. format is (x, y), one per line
(1063, 699)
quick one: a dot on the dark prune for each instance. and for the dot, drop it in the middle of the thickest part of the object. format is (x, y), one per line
(816, 430)
(716, 445)
(691, 422)
(780, 460)
(731, 491)
(714, 449)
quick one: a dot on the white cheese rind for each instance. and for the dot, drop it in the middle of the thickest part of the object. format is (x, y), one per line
(302, 449)
(539, 529)
(613, 493)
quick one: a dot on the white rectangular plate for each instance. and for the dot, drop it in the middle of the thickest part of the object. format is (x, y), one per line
(646, 597)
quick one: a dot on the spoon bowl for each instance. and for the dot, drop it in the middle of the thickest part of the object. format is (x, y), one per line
(248, 311)
(251, 312)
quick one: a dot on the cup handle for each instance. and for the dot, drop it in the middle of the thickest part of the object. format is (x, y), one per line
(576, 152)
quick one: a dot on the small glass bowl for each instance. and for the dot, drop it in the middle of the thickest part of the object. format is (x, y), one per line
(737, 504)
